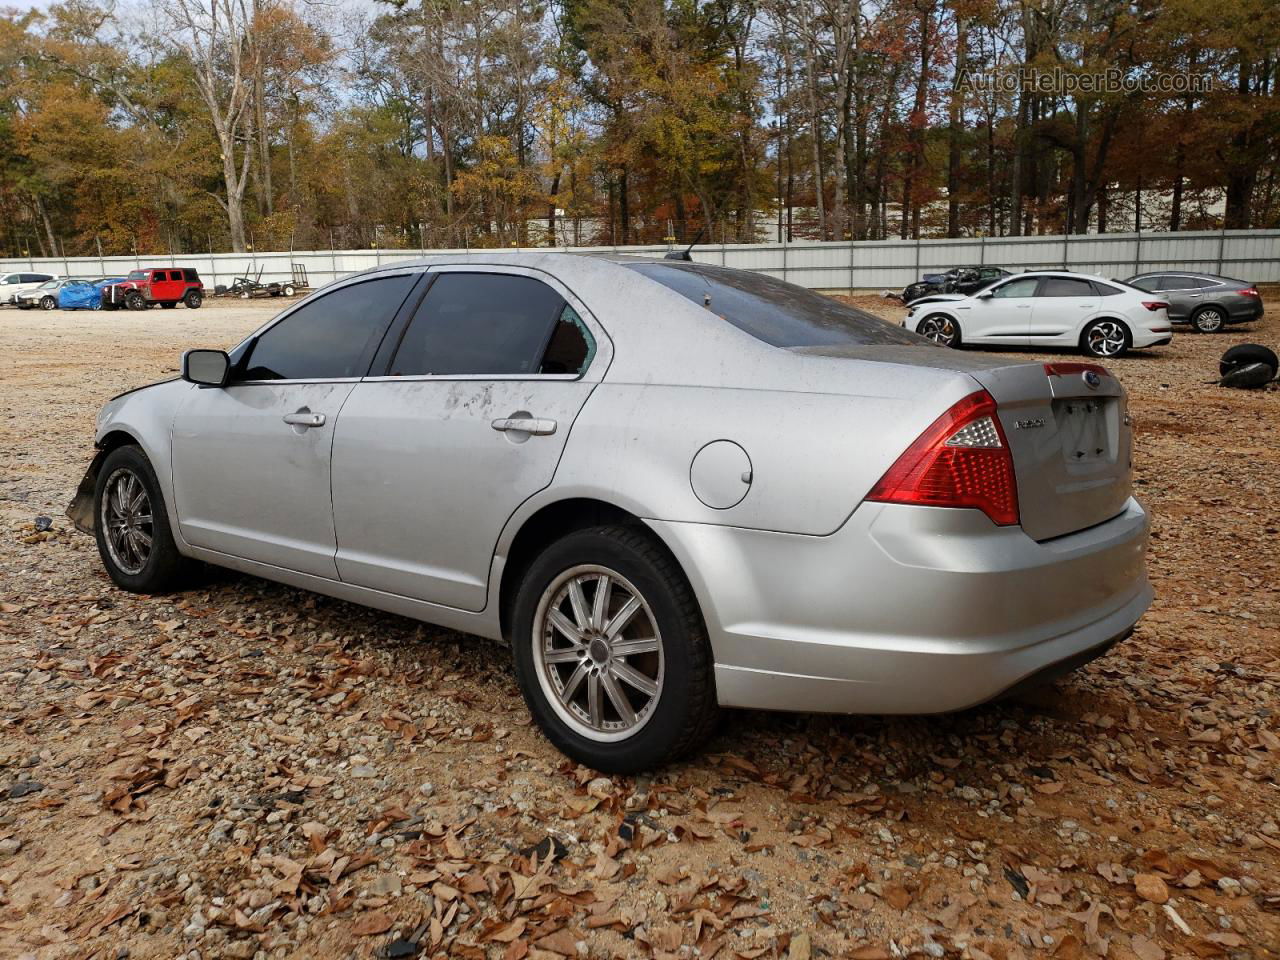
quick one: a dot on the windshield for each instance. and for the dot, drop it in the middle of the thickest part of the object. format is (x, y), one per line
(781, 314)
(138, 275)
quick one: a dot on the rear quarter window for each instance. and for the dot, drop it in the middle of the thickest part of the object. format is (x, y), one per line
(779, 313)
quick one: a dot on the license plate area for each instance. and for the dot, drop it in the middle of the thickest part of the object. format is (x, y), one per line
(1088, 429)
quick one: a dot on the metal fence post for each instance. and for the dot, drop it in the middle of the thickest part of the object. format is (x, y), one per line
(1066, 257)
(1222, 242)
(982, 250)
(851, 248)
(1137, 254)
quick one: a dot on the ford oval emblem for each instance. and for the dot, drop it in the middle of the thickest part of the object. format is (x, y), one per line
(1092, 380)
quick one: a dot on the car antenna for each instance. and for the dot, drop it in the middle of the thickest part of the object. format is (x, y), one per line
(684, 254)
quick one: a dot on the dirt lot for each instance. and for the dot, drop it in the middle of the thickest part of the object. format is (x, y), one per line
(247, 770)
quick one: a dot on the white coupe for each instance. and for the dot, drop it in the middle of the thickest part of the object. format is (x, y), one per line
(1102, 318)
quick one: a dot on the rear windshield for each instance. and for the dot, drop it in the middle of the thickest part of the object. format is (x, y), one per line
(781, 314)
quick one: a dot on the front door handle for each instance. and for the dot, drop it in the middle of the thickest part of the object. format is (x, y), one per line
(532, 425)
(304, 418)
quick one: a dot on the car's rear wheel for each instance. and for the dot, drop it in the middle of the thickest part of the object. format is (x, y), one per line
(47, 303)
(1105, 338)
(940, 328)
(132, 527)
(193, 299)
(1208, 320)
(611, 652)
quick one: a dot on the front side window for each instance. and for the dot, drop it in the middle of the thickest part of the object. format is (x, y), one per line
(1066, 287)
(476, 324)
(1022, 287)
(332, 337)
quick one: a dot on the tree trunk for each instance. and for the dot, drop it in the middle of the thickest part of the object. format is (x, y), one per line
(955, 119)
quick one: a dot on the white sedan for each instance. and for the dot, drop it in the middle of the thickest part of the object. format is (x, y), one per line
(1102, 318)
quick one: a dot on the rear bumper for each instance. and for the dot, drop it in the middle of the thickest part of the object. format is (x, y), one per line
(907, 609)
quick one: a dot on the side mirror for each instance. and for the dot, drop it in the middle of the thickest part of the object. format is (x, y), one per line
(209, 368)
(986, 295)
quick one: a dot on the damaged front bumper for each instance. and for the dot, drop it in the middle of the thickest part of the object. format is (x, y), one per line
(80, 510)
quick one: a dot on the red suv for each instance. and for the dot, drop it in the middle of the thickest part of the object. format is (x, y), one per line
(166, 286)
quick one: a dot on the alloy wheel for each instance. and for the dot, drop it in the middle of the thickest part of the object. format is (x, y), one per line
(1208, 321)
(1106, 339)
(939, 329)
(127, 521)
(598, 653)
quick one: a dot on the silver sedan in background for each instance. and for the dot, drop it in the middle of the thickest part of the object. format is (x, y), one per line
(671, 487)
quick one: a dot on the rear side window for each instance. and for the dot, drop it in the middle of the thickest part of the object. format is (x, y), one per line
(1202, 282)
(331, 337)
(1066, 287)
(1105, 289)
(476, 324)
(190, 275)
(781, 314)
(1178, 283)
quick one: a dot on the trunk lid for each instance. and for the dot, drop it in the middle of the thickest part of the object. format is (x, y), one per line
(1069, 435)
(1068, 430)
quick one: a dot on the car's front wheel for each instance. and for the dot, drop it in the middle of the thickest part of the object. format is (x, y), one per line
(1105, 338)
(1208, 320)
(611, 651)
(135, 301)
(940, 328)
(47, 303)
(132, 527)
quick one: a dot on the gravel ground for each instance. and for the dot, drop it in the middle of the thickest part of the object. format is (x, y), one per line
(247, 770)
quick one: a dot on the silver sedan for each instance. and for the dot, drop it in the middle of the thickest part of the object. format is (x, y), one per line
(671, 487)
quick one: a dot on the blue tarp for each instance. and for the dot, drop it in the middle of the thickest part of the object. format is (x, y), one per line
(84, 295)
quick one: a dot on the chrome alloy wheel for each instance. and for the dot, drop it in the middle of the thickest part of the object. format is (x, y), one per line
(598, 653)
(1106, 338)
(1209, 320)
(127, 521)
(939, 329)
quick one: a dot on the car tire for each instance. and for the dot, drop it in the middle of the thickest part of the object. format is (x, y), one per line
(665, 680)
(193, 299)
(288, 290)
(1105, 338)
(1209, 319)
(941, 329)
(47, 303)
(132, 563)
(135, 301)
(244, 294)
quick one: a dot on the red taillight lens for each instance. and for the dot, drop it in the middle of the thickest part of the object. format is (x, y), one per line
(1154, 305)
(1067, 367)
(961, 460)
(1249, 292)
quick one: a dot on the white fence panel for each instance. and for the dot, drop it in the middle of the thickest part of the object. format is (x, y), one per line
(868, 265)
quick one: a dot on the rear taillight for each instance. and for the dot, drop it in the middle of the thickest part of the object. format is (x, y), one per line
(1154, 305)
(1249, 292)
(1067, 367)
(961, 460)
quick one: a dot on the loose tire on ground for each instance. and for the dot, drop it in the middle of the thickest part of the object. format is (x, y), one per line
(142, 557)
(680, 715)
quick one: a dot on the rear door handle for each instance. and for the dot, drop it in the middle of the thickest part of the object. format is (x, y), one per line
(304, 418)
(531, 425)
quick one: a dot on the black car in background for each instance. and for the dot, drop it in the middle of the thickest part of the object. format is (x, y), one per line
(1205, 301)
(956, 280)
